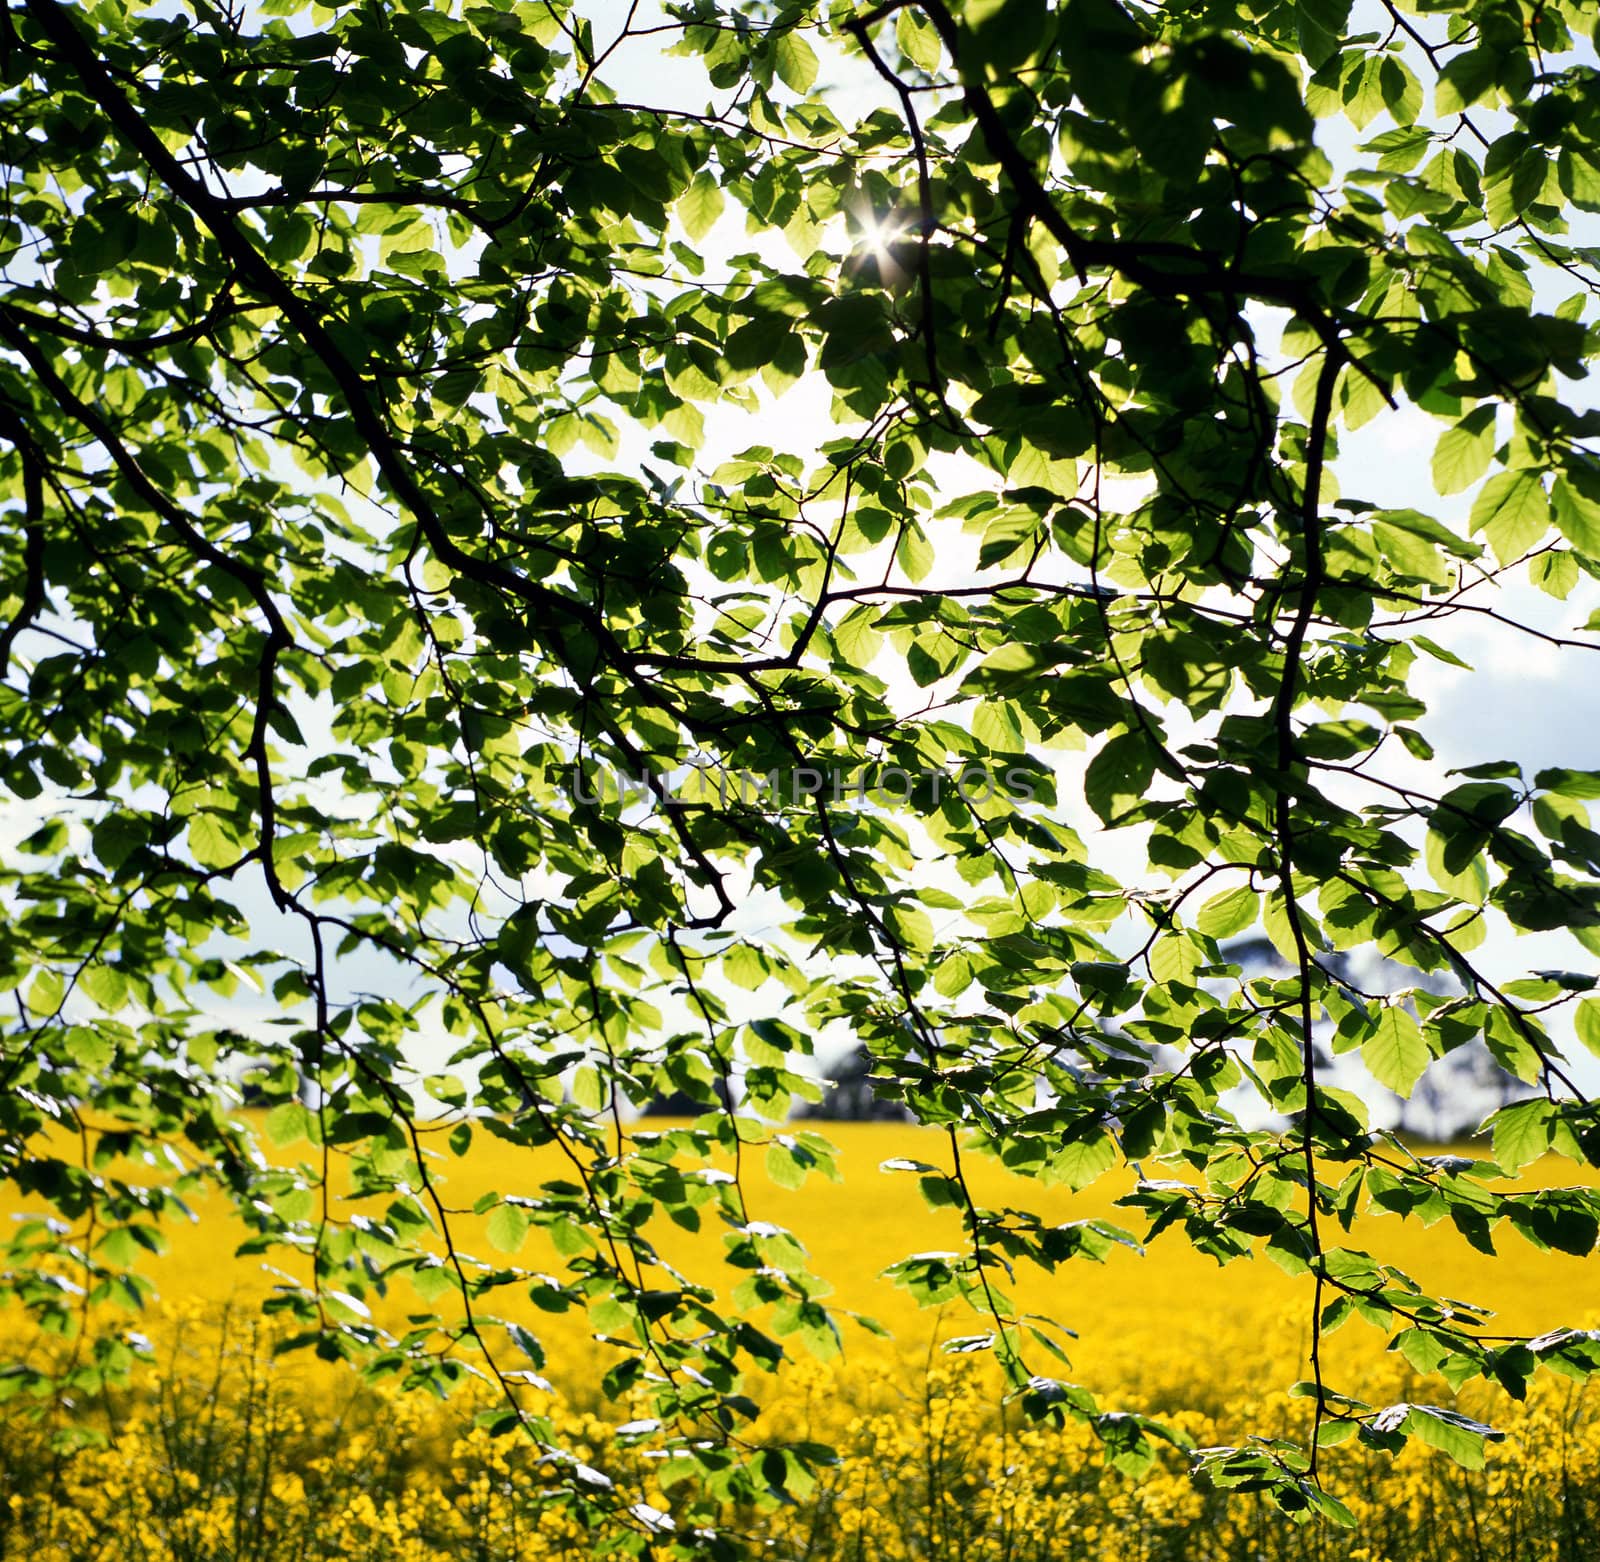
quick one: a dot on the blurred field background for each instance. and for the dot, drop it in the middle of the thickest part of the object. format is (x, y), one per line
(219, 1449)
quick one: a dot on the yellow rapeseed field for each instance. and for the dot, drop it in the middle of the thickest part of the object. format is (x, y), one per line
(220, 1450)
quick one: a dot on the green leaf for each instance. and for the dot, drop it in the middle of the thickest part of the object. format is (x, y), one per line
(1175, 958)
(796, 61)
(1569, 783)
(45, 992)
(1465, 79)
(88, 1048)
(1229, 913)
(914, 553)
(287, 1123)
(587, 1088)
(106, 985)
(1586, 1022)
(1439, 653)
(1396, 1053)
(857, 638)
(953, 975)
(1456, 865)
(1510, 1045)
(700, 205)
(1522, 1133)
(431, 1281)
(1004, 33)
(918, 39)
(1554, 572)
(1402, 93)
(1577, 513)
(995, 725)
(1463, 453)
(1452, 1433)
(1119, 775)
(787, 1163)
(745, 967)
(1321, 26)
(507, 1227)
(1082, 1161)
(911, 925)
(210, 844)
(1512, 511)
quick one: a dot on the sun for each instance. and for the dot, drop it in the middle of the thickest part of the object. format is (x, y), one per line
(878, 235)
(878, 246)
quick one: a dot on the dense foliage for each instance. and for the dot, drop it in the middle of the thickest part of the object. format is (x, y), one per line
(366, 375)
